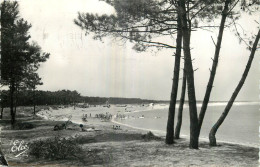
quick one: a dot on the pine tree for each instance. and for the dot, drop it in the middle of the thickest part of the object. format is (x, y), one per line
(20, 59)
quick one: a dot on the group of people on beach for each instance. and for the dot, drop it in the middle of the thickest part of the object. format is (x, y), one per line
(121, 116)
(106, 116)
(86, 115)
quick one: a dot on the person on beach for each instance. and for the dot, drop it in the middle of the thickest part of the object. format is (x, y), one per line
(81, 126)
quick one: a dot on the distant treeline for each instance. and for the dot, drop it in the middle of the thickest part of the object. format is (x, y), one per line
(118, 100)
(64, 97)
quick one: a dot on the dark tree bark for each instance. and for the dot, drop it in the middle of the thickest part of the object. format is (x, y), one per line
(175, 82)
(194, 126)
(2, 159)
(182, 99)
(12, 90)
(34, 112)
(15, 99)
(214, 64)
(2, 110)
(212, 134)
(15, 107)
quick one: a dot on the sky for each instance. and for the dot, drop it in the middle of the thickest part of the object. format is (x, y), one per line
(113, 69)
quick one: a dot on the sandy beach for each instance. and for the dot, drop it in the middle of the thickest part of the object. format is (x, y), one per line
(115, 82)
(105, 145)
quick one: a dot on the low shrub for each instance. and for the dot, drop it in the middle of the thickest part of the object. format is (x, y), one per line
(55, 107)
(84, 139)
(150, 136)
(23, 126)
(59, 127)
(55, 148)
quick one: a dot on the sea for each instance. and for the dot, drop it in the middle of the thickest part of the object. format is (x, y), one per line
(241, 126)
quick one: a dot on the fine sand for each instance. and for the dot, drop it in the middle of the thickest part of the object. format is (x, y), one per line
(108, 146)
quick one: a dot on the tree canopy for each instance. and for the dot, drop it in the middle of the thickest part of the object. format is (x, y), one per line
(145, 22)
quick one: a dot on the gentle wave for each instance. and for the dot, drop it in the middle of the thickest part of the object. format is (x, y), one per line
(211, 104)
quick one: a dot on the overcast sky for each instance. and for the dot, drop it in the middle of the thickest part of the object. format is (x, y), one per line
(110, 69)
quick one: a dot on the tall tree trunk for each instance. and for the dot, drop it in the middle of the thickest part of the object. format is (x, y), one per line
(15, 99)
(12, 90)
(175, 82)
(212, 134)
(2, 111)
(182, 99)
(2, 158)
(214, 64)
(194, 126)
(15, 107)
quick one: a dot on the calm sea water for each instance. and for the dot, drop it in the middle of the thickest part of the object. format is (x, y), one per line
(241, 125)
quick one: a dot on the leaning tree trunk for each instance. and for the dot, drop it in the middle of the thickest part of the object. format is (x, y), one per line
(194, 126)
(214, 65)
(171, 113)
(212, 134)
(182, 99)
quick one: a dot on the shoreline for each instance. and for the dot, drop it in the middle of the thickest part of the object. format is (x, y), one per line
(126, 146)
(159, 134)
(162, 134)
